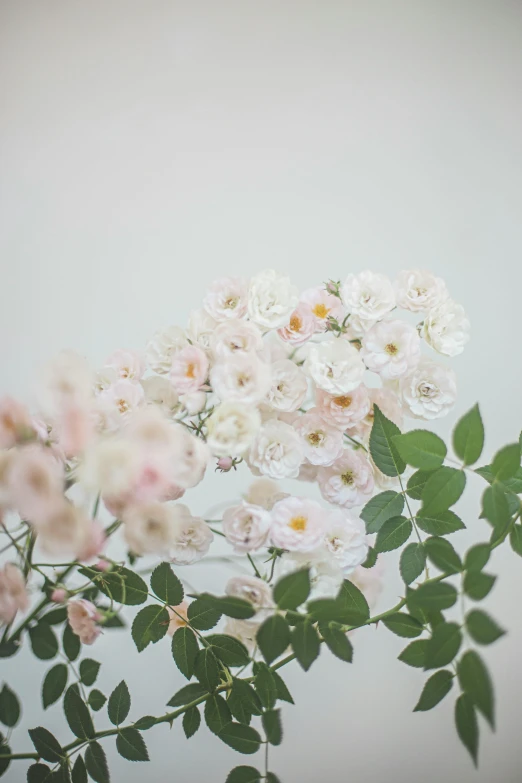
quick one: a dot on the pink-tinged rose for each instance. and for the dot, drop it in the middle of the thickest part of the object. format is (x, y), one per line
(189, 369)
(349, 481)
(13, 593)
(35, 481)
(389, 404)
(298, 524)
(227, 298)
(178, 617)
(120, 400)
(344, 410)
(246, 526)
(15, 422)
(83, 618)
(127, 364)
(301, 326)
(94, 542)
(59, 596)
(322, 443)
(322, 306)
(74, 429)
(224, 464)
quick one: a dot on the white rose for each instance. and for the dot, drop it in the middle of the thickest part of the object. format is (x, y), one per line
(194, 403)
(349, 481)
(160, 392)
(368, 297)
(110, 466)
(446, 328)
(430, 391)
(149, 529)
(200, 328)
(65, 381)
(277, 451)
(345, 539)
(231, 428)
(345, 410)
(162, 347)
(417, 290)
(192, 537)
(226, 298)
(235, 337)
(189, 458)
(298, 524)
(322, 444)
(246, 526)
(335, 366)
(119, 401)
(289, 386)
(254, 590)
(242, 378)
(271, 299)
(391, 348)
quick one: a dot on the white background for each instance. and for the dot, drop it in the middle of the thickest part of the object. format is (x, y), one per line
(149, 147)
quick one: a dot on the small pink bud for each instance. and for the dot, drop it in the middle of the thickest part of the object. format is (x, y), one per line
(103, 565)
(59, 596)
(225, 464)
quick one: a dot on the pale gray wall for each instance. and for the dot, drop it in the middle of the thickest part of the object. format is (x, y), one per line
(148, 147)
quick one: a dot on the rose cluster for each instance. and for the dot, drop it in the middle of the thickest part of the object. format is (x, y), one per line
(282, 383)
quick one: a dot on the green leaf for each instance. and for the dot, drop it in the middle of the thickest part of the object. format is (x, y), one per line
(131, 745)
(79, 773)
(337, 641)
(96, 699)
(506, 462)
(77, 714)
(9, 707)
(243, 701)
(443, 645)
(231, 606)
(145, 723)
(482, 628)
(305, 644)
(96, 763)
(119, 704)
(166, 585)
(421, 448)
(244, 775)
(203, 615)
(217, 713)
(282, 691)
(443, 555)
(468, 437)
(382, 448)
(414, 654)
(38, 773)
(43, 641)
(432, 596)
(438, 686)
(292, 590)
(515, 539)
(371, 558)
(442, 524)
(413, 560)
(467, 726)
(89, 671)
(477, 584)
(55, 616)
(207, 669)
(402, 624)
(477, 557)
(273, 637)
(474, 680)
(381, 508)
(416, 484)
(265, 684)
(54, 684)
(272, 726)
(228, 649)
(150, 625)
(121, 584)
(393, 534)
(271, 777)
(495, 508)
(184, 651)
(71, 643)
(46, 745)
(442, 490)
(352, 603)
(191, 721)
(242, 738)
(188, 693)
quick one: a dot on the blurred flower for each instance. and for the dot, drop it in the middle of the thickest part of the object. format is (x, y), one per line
(83, 619)
(13, 593)
(271, 299)
(246, 526)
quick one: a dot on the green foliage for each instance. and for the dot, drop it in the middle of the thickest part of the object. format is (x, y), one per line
(477, 557)
(131, 745)
(515, 539)
(442, 524)
(482, 628)
(305, 643)
(231, 606)
(44, 643)
(467, 725)
(443, 645)
(54, 684)
(121, 585)
(243, 701)
(149, 626)
(292, 590)
(402, 624)
(443, 488)
(468, 437)
(371, 558)
(381, 508)
(421, 448)
(393, 534)
(203, 614)
(77, 714)
(412, 562)
(265, 684)
(79, 772)
(416, 484)
(96, 763)
(9, 707)
(217, 713)
(414, 654)
(187, 694)
(46, 745)
(229, 650)
(438, 686)
(349, 607)
(506, 462)
(273, 637)
(71, 643)
(337, 641)
(382, 447)
(184, 651)
(442, 554)
(495, 509)
(244, 775)
(89, 671)
(191, 721)
(242, 738)
(478, 585)
(282, 691)
(272, 726)
(119, 704)
(207, 669)
(166, 585)
(433, 596)
(96, 700)
(38, 773)
(475, 681)
(145, 723)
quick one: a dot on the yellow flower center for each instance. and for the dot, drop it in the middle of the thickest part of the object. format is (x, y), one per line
(190, 370)
(298, 523)
(295, 323)
(343, 402)
(347, 478)
(391, 349)
(321, 310)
